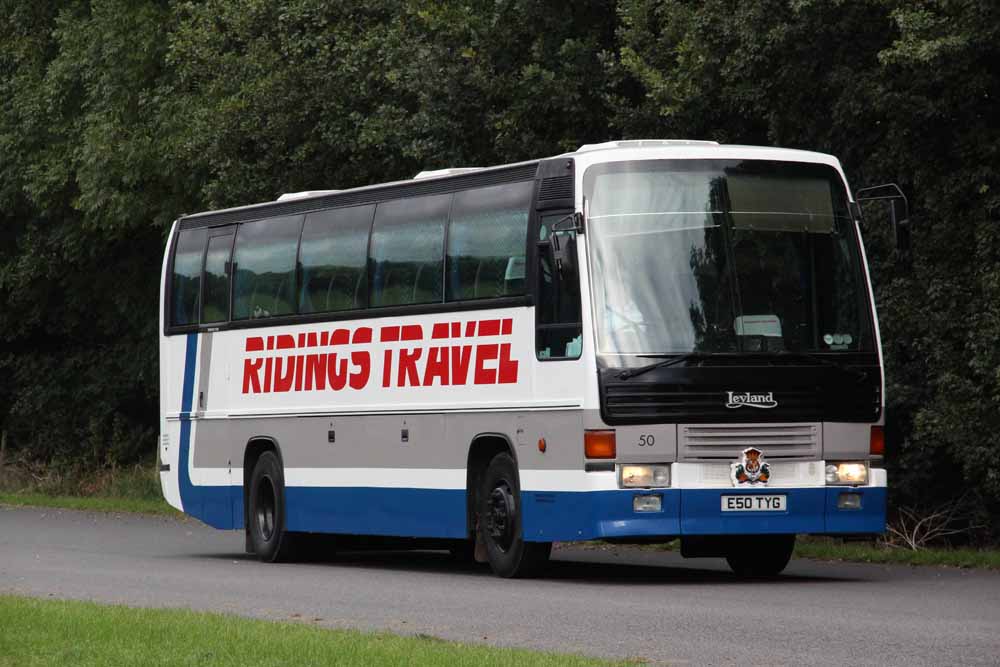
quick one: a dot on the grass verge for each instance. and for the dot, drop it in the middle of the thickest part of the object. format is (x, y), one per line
(81, 634)
(130, 489)
(89, 503)
(826, 548)
(863, 552)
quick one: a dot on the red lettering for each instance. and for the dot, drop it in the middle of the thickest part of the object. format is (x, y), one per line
(315, 371)
(340, 337)
(336, 373)
(486, 353)
(362, 335)
(285, 342)
(407, 373)
(507, 326)
(268, 368)
(363, 361)
(299, 361)
(460, 356)
(284, 372)
(386, 367)
(389, 334)
(440, 330)
(489, 327)
(251, 377)
(507, 368)
(437, 366)
(255, 344)
(412, 332)
(456, 329)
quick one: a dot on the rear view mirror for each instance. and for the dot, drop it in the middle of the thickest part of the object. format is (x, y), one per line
(563, 252)
(562, 240)
(899, 210)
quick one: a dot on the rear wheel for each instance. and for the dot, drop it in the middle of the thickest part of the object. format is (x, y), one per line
(499, 523)
(266, 511)
(760, 555)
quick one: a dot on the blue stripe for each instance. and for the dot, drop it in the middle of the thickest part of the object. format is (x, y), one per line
(377, 511)
(190, 363)
(212, 504)
(554, 516)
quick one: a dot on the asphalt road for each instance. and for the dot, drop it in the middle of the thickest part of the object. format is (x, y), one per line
(618, 603)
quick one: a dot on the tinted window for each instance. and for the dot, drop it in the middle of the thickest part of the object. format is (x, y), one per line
(407, 251)
(486, 241)
(185, 281)
(216, 288)
(264, 283)
(333, 256)
(557, 315)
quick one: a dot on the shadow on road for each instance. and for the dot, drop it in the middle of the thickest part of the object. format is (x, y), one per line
(567, 565)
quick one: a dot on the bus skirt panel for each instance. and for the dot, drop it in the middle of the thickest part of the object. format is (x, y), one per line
(567, 516)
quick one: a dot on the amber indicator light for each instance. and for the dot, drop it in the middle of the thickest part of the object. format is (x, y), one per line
(599, 444)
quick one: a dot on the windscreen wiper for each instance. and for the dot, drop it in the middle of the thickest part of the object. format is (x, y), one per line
(672, 359)
(795, 354)
(665, 360)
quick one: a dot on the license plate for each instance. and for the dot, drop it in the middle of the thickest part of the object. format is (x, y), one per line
(754, 503)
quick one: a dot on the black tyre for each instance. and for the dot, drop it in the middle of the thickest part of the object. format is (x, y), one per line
(760, 555)
(266, 511)
(499, 502)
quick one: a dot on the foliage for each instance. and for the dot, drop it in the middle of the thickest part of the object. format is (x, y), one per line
(115, 117)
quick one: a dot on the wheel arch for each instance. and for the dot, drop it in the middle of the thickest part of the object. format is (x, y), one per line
(482, 449)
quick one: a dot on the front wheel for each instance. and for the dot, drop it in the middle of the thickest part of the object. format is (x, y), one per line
(266, 506)
(760, 555)
(499, 523)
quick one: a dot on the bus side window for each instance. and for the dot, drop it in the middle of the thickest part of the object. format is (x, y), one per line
(264, 267)
(407, 251)
(333, 259)
(558, 325)
(215, 285)
(185, 279)
(486, 240)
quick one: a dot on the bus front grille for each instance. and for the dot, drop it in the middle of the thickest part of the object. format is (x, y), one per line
(789, 442)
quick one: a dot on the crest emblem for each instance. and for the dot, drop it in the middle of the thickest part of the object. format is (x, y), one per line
(751, 470)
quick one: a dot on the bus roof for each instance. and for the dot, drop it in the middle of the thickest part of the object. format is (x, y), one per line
(433, 181)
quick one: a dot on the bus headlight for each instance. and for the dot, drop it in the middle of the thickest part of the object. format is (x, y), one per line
(643, 476)
(847, 472)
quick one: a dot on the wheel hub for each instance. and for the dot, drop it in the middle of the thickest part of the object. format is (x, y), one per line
(265, 509)
(498, 520)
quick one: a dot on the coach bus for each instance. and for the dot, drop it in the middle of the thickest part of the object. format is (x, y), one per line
(636, 341)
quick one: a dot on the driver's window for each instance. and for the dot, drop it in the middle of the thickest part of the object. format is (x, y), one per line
(558, 324)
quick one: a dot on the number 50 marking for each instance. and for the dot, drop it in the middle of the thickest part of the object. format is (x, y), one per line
(647, 440)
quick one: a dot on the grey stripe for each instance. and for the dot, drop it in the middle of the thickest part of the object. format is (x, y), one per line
(375, 441)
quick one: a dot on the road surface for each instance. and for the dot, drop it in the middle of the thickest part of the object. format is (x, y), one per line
(613, 603)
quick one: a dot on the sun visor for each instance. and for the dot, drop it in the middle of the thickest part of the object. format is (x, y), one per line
(775, 203)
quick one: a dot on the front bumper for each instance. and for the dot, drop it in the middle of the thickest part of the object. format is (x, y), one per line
(588, 515)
